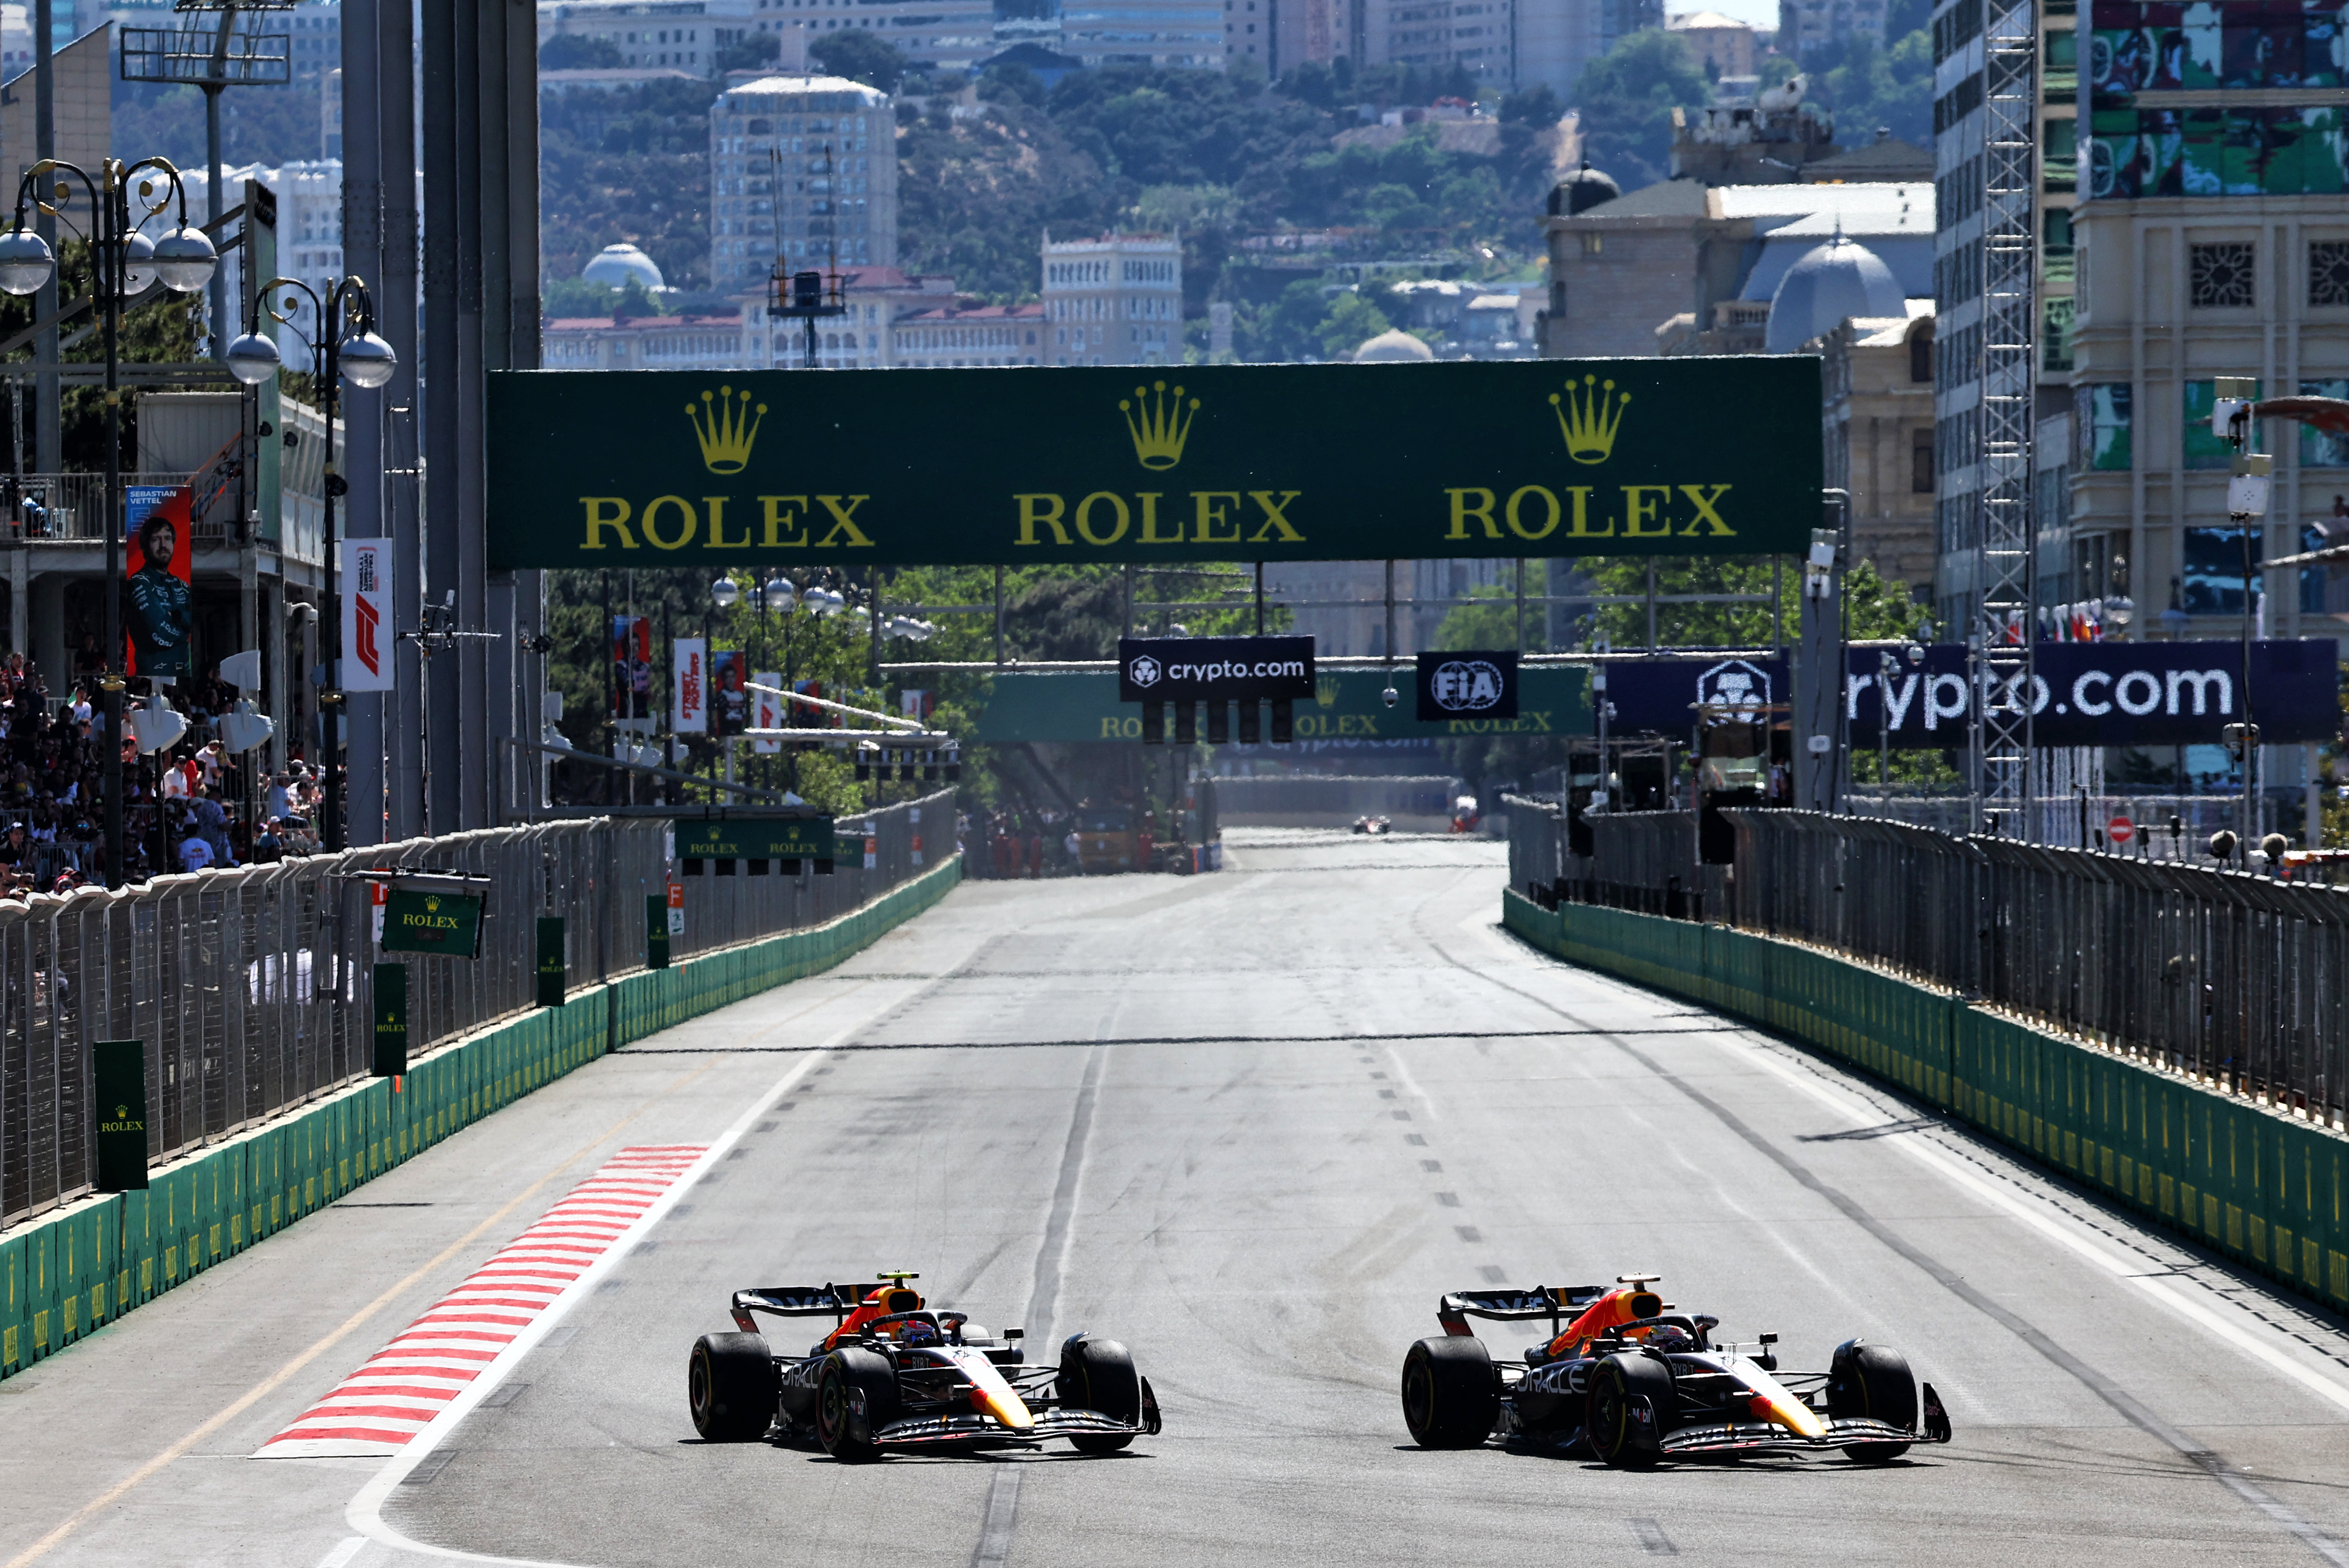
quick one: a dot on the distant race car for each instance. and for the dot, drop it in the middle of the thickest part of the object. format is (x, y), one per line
(1633, 1380)
(894, 1373)
(1372, 825)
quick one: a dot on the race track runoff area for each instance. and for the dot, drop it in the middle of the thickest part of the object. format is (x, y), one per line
(1252, 1124)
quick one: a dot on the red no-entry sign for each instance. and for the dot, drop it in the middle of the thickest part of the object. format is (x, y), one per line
(2120, 830)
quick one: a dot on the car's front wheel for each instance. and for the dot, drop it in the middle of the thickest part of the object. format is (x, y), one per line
(1873, 1381)
(1631, 1407)
(1451, 1391)
(1099, 1375)
(729, 1386)
(852, 1376)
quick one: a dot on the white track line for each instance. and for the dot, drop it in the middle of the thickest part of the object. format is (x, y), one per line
(366, 1511)
(2064, 1232)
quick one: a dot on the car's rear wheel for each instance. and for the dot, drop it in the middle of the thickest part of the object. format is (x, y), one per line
(1872, 1381)
(1451, 1391)
(729, 1386)
(1631, 1407)
(850, 1375)
(1099, 1375)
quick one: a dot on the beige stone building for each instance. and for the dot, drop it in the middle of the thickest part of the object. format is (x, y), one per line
(1113, 300)
(1878, 434)
(1723, 45)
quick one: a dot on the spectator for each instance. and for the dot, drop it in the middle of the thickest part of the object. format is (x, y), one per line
(195, 855)
(266, 845)
(280, 803)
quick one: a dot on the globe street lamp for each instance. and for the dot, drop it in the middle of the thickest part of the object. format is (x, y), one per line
(125, 265)
(344, 349)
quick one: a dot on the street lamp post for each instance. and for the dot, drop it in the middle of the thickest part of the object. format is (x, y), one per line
(369, 361)
(124, 263)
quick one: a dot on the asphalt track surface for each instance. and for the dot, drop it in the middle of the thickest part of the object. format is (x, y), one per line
(1252, 1124)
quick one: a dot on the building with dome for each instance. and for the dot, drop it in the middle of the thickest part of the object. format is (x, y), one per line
(616, 267)
(1394, 346)
(1827, 286)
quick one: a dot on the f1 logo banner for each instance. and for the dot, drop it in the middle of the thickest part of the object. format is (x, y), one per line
(2085, 693)
(1211, 669)
(368, 636)
(1467, 685)
(1174, 463)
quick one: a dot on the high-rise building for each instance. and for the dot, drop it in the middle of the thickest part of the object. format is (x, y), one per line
(2002, 254)
(675, 35)
(952, 35)
(1114, 300)
(1804, 24)
(2210, 240)
(1165, 33)
(803, 172)
(1555, 39)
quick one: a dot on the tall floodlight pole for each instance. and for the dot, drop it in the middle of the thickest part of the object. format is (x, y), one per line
(2006, 560)
(365, 360)
(124, 263)
(216, 44)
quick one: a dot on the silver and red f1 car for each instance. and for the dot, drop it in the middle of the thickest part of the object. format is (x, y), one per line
(895, 1373)
(1633, 1380)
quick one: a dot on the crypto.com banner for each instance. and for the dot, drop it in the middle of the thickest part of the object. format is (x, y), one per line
(1193, 669)
(2084, 693)
(368, 636)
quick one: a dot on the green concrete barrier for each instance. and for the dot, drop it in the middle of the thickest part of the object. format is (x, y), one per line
(73, 1272)
(2261, 1186)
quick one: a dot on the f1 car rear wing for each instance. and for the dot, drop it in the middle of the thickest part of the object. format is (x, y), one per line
(833, 1301)
(1552, 1301)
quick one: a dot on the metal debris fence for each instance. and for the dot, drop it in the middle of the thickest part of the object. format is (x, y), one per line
(2234, 979)
(249, 987)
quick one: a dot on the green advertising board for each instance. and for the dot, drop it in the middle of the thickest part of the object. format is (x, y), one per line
(391, 1003)
(1269, 463)
(421, 921)
(1348, 705)
(755, 838)
(554, 973)
(119, 1070)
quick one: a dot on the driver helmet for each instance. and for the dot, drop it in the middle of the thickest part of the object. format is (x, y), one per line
(1671, 1337)
(919, 1331)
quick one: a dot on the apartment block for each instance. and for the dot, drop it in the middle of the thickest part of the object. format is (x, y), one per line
(1162, 32)
(803, 173)
(1113, 300)
(951, 35)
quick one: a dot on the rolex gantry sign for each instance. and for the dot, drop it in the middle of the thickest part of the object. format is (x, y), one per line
(1536, 457)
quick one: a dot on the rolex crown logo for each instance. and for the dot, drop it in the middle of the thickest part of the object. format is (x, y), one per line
(724, 424)
(432, 905)
(1589, 416)
(1325, 690)
(121, 1113)
(1159, 425)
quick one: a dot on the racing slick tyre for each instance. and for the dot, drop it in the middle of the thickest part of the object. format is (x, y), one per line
(1873, 1381)
(1099, 1375)
(1631, 1407)
(730, 1385)
(848, 1372)
(1451, 1391)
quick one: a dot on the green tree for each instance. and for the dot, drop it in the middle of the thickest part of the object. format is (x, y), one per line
(577, 296)
(748, 53)
(570, 52)
(860, 56)
(1352, 321)
(1626, 96)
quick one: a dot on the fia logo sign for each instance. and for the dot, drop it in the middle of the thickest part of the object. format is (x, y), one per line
(1466, 685)
(1735, 688)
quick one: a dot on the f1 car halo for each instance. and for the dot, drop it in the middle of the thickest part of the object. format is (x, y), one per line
(1633, 1380)
(896, 1374)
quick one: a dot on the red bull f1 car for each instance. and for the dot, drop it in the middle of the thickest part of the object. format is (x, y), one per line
(895, 1373)
(1627, 1377)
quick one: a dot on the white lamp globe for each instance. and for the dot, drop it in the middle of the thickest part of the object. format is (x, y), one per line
(138, 265)
(25, 262)
(779, 592)
(254, 359)
(366, 359)
(185, 260)
(723, 593)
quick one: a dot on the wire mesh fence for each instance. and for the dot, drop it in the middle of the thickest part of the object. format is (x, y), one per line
(2236, 980)
(249, 987)
(1640, 860)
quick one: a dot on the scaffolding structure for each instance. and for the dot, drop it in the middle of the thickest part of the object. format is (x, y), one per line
(2006, 566)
